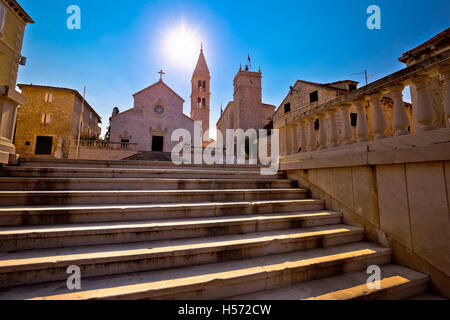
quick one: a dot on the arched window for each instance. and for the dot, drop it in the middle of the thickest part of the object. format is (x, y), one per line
(199, 83)
(204, 84)
(199, 101)
(204, 102)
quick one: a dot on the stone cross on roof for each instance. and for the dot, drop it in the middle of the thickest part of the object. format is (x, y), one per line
(161, 73)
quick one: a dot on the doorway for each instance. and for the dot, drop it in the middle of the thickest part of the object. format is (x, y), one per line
(44, 145)
(157, 143)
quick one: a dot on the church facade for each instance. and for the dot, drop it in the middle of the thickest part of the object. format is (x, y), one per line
(158, 111)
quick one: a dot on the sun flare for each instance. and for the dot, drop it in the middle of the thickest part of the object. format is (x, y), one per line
(181, 46)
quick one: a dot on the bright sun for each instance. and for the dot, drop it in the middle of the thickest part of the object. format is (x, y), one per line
(182, 45)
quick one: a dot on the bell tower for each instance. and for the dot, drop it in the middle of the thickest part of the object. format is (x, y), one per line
(200, 96)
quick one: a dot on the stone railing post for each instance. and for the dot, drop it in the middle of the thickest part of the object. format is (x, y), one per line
(347, 133)
(282, 141)
(362, 130)
(379, 122)
(333, 138)
(302, 135)
(322, 131)
(445, 72)
(311, 134)
(401, 120)
(292, 138)
(424, 111)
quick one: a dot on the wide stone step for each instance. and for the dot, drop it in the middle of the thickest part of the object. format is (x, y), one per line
(55, 184)
(396, 283)
(36, 266)
(217, 280)
(40, 237)
(50, 215)
(136, 164)
(178, 173)
(87, 197)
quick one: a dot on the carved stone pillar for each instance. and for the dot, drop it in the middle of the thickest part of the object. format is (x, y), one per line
(322, 132)
(400, 121)
(445, 72)
(362, 130)
(347, 133)
(311, 134)
(379, 122)
(424, 110)
(333, 138)
(292, 139)
(302, 135)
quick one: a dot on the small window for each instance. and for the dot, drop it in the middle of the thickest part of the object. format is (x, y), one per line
(46, 118)
(316, 125)
(90, 115)
(204, 102)
(354, 119)
(2, 19)
(287, 107)
(199, 102)
(27, 143)
(49, 97)
(204, 84)
(314, 96)
(352, 87)
(199, 83)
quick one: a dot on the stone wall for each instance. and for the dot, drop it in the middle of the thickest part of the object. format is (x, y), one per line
(401, 198)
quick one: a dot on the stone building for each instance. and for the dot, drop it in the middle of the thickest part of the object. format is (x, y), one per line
(246, 111)
(48, 121)
(435, 85)
(158, 111)
(13, 20)
(305, 96)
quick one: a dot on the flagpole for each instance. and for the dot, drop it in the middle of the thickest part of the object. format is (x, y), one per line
(80, 121)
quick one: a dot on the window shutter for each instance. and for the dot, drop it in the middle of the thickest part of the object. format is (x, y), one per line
(48, 118)
(46, 97)
(2, 18)
(43, 118)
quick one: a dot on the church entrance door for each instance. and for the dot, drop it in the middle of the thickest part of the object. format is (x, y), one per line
(157, 143)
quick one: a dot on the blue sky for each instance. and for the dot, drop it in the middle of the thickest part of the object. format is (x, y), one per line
(121, 44)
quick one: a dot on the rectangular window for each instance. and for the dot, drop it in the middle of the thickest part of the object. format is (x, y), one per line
(2, 19)
(90, 115)
(287, 107)
(354, 119)
(314, 96)
(49, 97)
(352, 87)
(46, 118)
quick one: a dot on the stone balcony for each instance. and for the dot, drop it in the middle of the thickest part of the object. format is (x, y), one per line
(297, 130)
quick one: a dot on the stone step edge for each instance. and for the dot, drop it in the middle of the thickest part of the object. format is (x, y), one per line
(135, 170)
(90, 193)
(409, 283)
(155, 225)
(62, 259)
(14, 210)
(262, 276)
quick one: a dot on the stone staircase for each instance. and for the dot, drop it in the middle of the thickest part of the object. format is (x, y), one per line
(153, 230)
